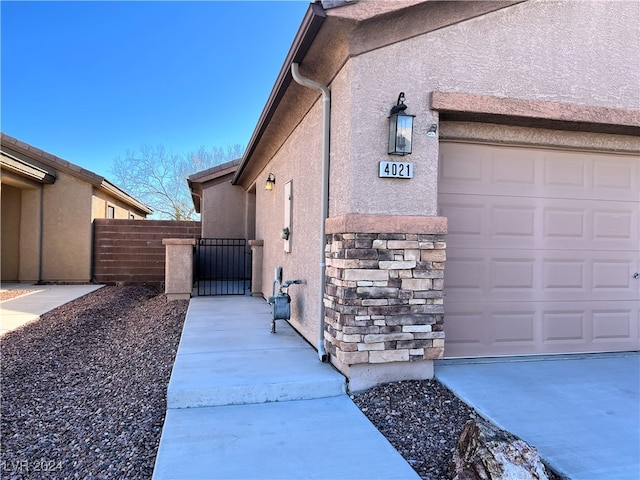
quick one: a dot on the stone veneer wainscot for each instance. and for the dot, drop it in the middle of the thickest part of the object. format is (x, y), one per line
(384, 289)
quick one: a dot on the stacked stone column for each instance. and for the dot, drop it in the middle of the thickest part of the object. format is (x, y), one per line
(384, 292)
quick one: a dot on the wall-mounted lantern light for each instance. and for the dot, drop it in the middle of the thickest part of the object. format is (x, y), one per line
(271, 181)
(400, 129)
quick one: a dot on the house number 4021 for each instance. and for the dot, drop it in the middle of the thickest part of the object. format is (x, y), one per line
(396, 170)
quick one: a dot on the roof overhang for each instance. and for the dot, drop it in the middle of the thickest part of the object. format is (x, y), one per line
(34, 164)
(25, 169)
(115, 191)
(325, 41)
(309, 28)
(198, 181)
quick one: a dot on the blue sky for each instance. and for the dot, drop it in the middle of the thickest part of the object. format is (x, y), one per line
(88, 81)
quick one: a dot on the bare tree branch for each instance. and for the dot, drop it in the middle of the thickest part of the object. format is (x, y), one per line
(157, 177)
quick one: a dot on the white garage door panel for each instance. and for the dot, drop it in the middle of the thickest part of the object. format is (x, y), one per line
(541, 250)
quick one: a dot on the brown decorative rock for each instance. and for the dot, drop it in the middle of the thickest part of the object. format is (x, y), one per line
(484, 452)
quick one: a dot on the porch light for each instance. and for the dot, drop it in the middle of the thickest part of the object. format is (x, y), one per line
(271, 181)
(400, 129)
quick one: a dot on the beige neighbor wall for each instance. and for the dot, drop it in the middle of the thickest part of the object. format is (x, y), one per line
(549, 51)
(30, 234)
(101, 200)
(10, 250)
(21, 242)
(66, 254)
(223, 209)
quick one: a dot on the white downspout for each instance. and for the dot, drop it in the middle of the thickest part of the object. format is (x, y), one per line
(326, 122)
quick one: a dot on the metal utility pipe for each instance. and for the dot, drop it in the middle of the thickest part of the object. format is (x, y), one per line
(326, 122)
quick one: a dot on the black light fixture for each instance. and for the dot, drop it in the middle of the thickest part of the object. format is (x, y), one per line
(400, 129)
(271, 181)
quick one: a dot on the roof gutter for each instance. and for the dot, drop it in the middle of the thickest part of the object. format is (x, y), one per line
(309, 28)
(324, 201)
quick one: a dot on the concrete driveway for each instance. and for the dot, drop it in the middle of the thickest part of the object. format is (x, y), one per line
(580, 411)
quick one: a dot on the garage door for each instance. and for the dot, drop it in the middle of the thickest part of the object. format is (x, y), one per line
(542, 250)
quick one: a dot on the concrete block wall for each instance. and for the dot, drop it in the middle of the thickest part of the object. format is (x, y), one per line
(131, 251)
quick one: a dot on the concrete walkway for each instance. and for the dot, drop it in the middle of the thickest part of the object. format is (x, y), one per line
(42, 299)
(244, 403)
(581, 412)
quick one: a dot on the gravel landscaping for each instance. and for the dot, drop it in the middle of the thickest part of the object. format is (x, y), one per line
(84, 387)
(421, 419)
(84, 393)
(11, 294)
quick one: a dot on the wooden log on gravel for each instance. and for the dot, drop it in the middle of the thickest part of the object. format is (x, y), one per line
(484, 452)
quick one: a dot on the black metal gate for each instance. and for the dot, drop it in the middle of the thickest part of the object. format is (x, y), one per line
(222, 266)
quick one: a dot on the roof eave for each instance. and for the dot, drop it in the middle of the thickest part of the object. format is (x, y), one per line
(42, 158)
(109, 187)
(196, 193)
(309, 28)
(24, 169)
(214, 172)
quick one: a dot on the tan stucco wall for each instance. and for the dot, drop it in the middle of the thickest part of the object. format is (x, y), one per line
(303, 261)
(10, 249)
(250, 214)
(101, 200)
(23, 206)
(68, 210)
(66, 248)
(178, 268)
(545, 51)
(552, 51)
(30, 235)
(48, 212)
(68, 207)
(223, 209)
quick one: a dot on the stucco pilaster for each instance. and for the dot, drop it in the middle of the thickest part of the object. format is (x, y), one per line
(178, 268)
(256, 267)
(30, 235)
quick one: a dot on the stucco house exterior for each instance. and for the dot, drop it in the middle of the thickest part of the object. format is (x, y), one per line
(222, 207)
(517, 230)
(48, 206)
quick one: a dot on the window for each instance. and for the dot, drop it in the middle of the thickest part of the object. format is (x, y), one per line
(111, 211)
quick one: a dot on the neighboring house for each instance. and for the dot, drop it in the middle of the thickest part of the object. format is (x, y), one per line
(48, 206)
(517, 232)
(222, 209)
